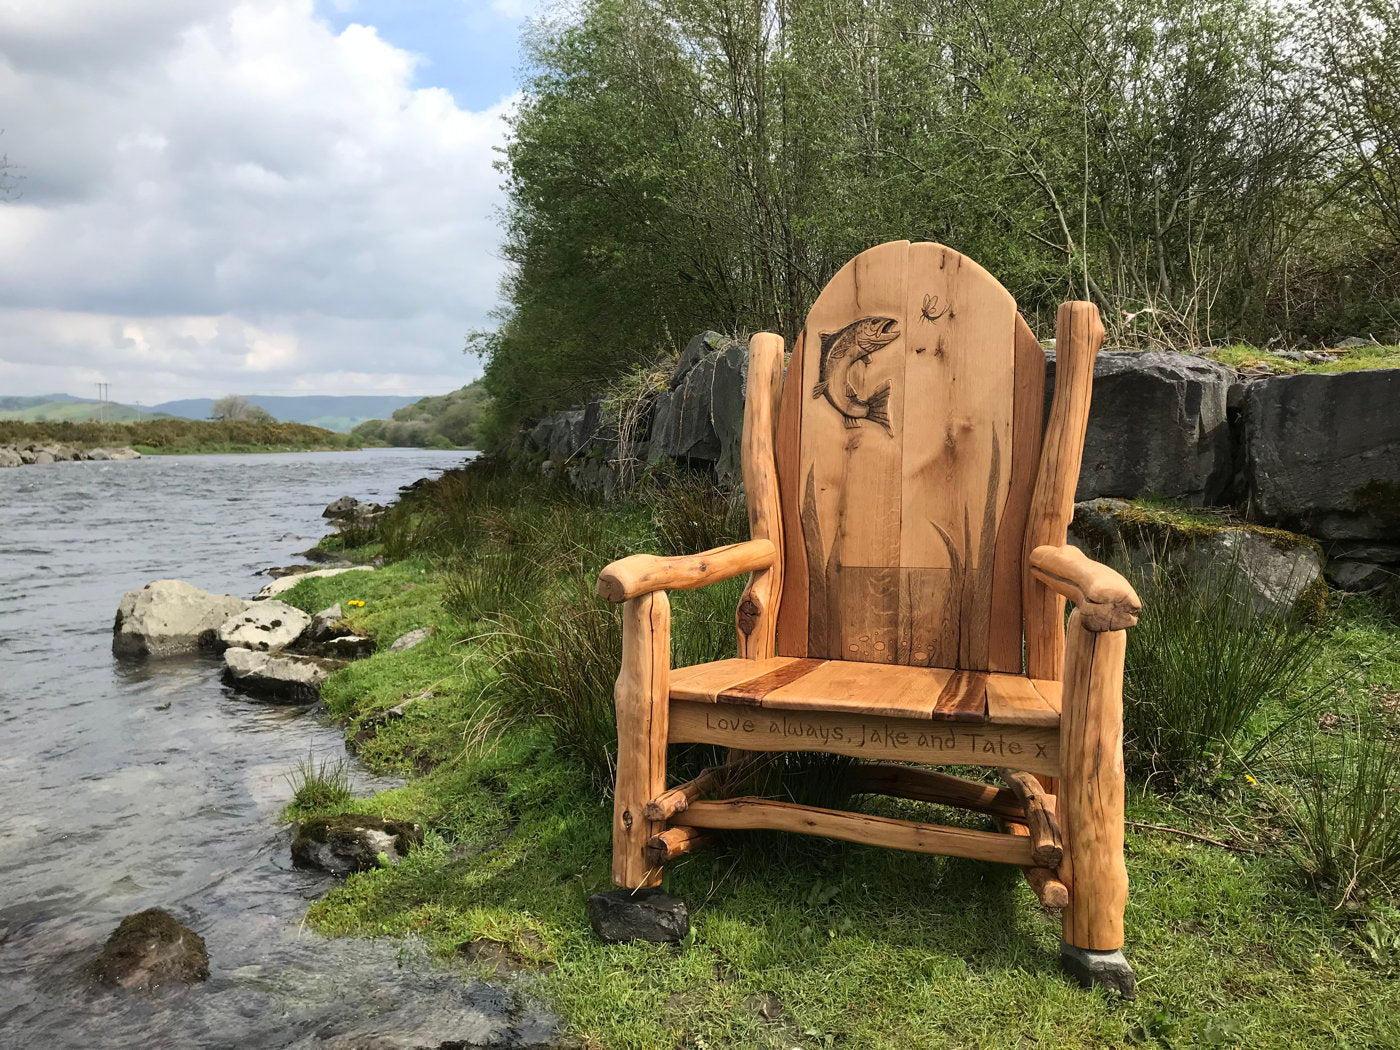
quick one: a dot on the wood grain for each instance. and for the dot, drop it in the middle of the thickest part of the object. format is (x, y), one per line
(1013, 700)
(964, 698)
(1078, 336)
(932, 785)
(756, 619)
(1047, 846)
(643, 573)
(641, 700)
(758, 690)
(1091, 787)
(1044, 882)
(791, 634)
(674, 843)
(1105, 599)
(754, 814)
(1031, 748)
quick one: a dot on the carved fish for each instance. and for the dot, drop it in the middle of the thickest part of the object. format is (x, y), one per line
(842, 351)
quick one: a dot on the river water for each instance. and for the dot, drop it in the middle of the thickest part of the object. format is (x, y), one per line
(130, 785)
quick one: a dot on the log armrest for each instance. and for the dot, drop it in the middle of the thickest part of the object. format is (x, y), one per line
(643, 573)
(1105, 600)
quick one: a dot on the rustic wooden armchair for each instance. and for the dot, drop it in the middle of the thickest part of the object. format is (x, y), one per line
(908, 505)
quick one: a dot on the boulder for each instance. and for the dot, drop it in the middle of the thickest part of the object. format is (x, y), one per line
(286, 583)
(9, 457)
(169, 617)
(26, 455)
(97, 454)
(123, 453)
(286, 677)
(330, 636)
(638, 915)
(42, 457)
(265, 626)
(348, 512)
(351, 842)
(151, 949)
(1271, 569)
(700, 419)
(409, 639)
(1157, 426)
(1362, 566)
(1322, 454)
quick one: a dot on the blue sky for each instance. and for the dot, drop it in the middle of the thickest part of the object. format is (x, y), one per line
(251, 196)
(469, 47)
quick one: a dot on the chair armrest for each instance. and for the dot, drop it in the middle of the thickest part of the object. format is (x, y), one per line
(643, 573)
(1105, 600)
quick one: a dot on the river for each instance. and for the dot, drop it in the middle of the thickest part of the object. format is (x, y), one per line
(132, 785)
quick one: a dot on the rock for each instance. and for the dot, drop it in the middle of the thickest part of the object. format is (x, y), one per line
(279, 571)
(1322, 454)
(348, 512)
(352, 842)
(151, 949)
(1362, 566)
(1272, 569)
(638, 915)
(26, 455)
(408, 640)
(1095, 969)
(170, 616)
(1158, 425)
(330, 636)
(123, 454)
(501, 958)
(97, 454)
(344, 507)
(42, 457)
(9, 457)
(286, 583)
(1351, 342)
(265, 626)
(287, 677)
(347, 647)
(700, 419)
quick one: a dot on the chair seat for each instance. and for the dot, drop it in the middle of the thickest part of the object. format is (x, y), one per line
(889, 690)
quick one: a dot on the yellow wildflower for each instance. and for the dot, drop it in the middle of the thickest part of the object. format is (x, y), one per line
(356, 602)
(1251, 781)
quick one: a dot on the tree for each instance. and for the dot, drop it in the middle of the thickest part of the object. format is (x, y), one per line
(235, 408)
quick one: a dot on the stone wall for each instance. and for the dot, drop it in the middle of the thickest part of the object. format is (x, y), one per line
(1317, 454)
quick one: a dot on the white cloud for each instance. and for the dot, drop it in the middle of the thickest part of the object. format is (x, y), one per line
(232, 196)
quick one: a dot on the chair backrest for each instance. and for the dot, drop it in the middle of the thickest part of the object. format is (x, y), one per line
(908, 442)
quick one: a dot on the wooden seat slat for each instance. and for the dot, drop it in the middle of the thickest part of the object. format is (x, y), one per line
(878, 690)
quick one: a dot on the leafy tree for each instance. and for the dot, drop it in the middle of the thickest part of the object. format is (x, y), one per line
(448, 421)
(235, 408)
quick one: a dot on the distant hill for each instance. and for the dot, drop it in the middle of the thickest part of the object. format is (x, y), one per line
(61, 408)
(341, 414)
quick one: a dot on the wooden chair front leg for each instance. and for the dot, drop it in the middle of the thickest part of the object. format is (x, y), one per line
(642, 699)
(1091, 787)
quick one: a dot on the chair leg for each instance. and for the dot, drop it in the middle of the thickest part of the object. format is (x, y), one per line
(643, 713)
(1091, 808)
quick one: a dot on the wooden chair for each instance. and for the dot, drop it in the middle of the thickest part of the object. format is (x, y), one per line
(908, 505)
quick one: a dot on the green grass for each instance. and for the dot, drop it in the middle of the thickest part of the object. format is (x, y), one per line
(80, 412)
(318, 787)
(1240, 355)
(802, 942)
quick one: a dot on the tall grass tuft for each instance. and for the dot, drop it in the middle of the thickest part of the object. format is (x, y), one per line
(318, 786)
(692, 513)
(1343, 811)
(1209, 677)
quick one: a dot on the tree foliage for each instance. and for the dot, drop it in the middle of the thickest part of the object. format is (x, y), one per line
(235, 408)
(448, 421)
(1208, 170)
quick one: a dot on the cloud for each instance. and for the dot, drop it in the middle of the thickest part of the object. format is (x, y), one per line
(229, 196)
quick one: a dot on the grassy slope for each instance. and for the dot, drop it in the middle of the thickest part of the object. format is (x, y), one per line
(847, 946)
(79, 412)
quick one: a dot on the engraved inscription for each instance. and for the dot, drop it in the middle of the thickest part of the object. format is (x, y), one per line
(941, 743)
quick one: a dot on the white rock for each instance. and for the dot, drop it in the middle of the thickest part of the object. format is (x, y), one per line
(265, 626)
(168, 617)
(417, 636)
(9, 457)
(281, 676)
(277, 586)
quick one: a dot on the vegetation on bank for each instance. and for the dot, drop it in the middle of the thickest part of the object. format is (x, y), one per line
(1267, 918)
(1355, 359)
(1224, 170)
(172, 436)
(447, 421)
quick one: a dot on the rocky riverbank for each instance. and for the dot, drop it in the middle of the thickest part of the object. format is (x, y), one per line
(32, 454)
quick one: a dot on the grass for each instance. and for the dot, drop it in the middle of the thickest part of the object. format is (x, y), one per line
(1240, 355)
(811, 943)
(318, 787)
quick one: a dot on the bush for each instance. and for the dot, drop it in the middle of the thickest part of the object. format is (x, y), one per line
(318, 787)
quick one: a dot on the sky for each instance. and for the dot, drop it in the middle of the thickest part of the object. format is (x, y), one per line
(250, 196)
